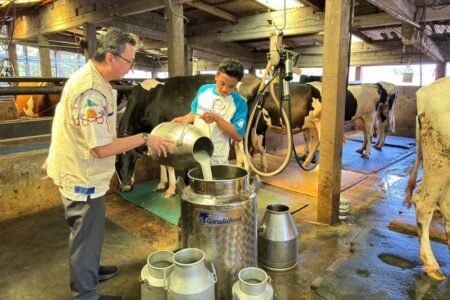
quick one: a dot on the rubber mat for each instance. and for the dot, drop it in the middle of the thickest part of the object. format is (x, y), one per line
(143, 196)
(382, 265)
(352, 161)
(295, 179)
(391, 140)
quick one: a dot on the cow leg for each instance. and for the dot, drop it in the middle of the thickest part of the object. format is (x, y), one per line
(307, 139)
(162, 179)
(315, 140)
(241, 160)
(171, 190)
(444, 206)
(425, 202)
(262, 150)
(367, 131)
(382, 135)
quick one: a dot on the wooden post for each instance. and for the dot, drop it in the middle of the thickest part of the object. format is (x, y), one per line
(189, 60)
(44, 56)
(175, 39)
(358, 73)
(440, 71)
(90, 32)
(336, 52)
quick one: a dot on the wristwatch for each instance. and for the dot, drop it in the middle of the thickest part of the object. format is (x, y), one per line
(145, 137)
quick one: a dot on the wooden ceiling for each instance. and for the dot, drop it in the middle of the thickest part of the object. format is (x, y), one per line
(239, 28)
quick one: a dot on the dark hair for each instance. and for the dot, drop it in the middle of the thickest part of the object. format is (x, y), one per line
(113, 41)
(232, 67)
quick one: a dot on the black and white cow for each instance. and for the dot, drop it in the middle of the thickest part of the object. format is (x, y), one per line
(151, 103)
(157, 103)
(433, 150)
(302, 96)
(368, 106)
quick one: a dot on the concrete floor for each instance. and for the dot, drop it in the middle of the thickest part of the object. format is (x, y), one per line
(33, 249)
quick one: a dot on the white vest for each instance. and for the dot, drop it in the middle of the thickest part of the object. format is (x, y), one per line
(70, 163)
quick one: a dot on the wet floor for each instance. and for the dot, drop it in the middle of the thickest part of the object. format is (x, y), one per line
(334, 262)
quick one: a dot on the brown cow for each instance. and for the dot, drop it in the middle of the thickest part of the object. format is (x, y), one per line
(34, 106)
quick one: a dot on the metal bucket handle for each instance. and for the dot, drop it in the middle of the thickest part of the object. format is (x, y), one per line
(183, 132)
(214, 273)
(166, 280)
(262, 229)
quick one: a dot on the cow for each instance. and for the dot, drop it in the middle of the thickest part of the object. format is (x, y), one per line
(34, 106)
(368, 106)
(147, 108)
(433, 152)
(302, 96)
(385, 116)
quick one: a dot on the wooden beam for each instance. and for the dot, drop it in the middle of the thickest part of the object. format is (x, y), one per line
(299, 21)
(336, 44)
(151, 31)
(316, 5)
(420, 40)
(63, 15)
(213, 11)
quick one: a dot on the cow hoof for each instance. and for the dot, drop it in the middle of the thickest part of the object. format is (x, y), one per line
(303, 156)
(377, 148)
(160, 187)
(125, 188)
(365, 156)
(360, 151)
(168, 194)
(436, 274)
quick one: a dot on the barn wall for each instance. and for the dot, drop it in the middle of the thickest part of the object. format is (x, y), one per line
(405, 112)
(8, 110)
(22, 191)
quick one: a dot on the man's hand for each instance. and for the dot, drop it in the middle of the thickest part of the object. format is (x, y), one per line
(44, 171)
(209, 117)
(160, 145)
(179, 120)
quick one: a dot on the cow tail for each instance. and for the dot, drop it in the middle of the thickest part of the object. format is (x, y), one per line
(413, 176)
(392, 112)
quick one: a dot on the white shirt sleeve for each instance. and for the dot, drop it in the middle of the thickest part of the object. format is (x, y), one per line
(92, 113)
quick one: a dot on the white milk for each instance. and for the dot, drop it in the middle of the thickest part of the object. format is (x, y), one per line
(204, 160)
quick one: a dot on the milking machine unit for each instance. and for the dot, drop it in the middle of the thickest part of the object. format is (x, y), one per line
(280, 63)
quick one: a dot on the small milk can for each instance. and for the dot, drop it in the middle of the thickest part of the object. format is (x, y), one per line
(189, 145)
(190, 279)
(277, 239)
(154, 275)
(253, 284)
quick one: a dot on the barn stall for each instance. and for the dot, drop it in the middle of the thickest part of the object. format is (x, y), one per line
(358, 253)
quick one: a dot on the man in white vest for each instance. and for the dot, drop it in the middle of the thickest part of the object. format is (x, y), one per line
(82, 156)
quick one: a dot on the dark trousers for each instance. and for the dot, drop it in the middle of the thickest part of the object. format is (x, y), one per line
(87, 227)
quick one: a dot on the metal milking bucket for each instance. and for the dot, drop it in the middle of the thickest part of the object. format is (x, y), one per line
(278, 239)
(188, 143)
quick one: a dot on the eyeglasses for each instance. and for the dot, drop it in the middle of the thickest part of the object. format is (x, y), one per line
(132, 63)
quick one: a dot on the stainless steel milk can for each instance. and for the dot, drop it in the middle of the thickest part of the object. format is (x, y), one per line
(219, 217)
(190, 279)
(188, 142)
(253, 284)
(154, 275)
(277, 239)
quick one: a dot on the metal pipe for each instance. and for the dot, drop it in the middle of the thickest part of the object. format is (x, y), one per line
(55, 79)
(49, 90)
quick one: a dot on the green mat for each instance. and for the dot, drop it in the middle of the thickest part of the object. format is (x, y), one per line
(143, 196)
